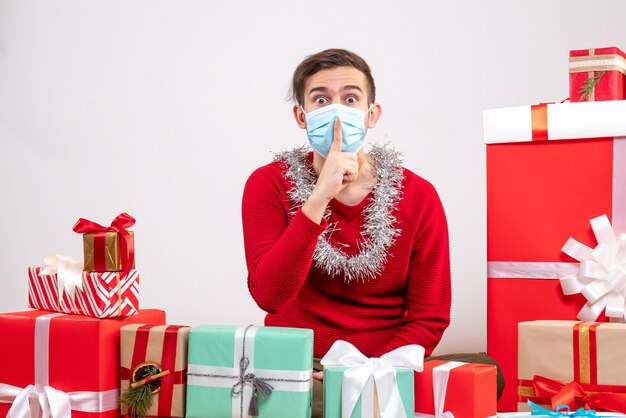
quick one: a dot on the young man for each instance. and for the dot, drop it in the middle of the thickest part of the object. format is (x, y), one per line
(347, 243)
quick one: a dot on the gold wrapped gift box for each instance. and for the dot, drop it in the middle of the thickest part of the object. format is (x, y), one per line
(112, 252)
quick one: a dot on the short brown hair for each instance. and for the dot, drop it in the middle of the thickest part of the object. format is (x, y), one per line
(329, 58)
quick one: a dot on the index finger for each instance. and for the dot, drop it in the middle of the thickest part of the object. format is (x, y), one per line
(337, 138)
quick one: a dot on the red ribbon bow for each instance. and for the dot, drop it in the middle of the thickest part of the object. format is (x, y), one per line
(119, 225)
(574, 395)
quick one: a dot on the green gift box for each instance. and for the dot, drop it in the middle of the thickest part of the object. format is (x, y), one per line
(230, 369)
(333, 386)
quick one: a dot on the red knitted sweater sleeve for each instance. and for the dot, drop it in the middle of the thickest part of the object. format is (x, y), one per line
(279, 252)
(428, 294)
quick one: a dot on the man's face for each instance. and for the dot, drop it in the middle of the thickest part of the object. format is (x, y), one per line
(340, 85)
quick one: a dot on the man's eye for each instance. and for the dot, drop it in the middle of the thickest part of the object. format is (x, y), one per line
(320, 100)
(351, 100)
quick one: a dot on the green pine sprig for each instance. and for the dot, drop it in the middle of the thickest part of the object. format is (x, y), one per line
(590, 84)
(139, 399)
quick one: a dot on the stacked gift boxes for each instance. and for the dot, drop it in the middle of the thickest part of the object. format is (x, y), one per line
(551, 169)
(69, 361)
(63, 358)
(93, 348)
(107, 288)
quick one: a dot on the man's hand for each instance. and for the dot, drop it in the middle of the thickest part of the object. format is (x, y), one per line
(339, 170)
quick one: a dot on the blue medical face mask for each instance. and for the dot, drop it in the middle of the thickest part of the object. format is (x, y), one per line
(320, 126)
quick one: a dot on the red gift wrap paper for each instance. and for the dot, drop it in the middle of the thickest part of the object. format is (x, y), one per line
(538, 195)
(83, 353)
(104, 294)
(471, 390)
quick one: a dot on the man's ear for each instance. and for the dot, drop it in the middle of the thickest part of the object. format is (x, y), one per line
(299, 115)
(374, 114)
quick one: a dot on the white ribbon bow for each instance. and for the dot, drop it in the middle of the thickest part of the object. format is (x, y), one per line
(69, 271)
(362, 369)
(48, 402)
(602, 274)
(32, 402)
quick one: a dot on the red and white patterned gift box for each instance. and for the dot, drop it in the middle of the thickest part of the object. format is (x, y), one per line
(99, 295)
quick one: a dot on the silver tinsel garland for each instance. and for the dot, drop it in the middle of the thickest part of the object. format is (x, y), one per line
(379, 231)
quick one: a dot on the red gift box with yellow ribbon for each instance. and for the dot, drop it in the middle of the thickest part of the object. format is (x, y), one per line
(148, 350)
(597, 74)
(579, 364)
(65, 365)
(551, 168)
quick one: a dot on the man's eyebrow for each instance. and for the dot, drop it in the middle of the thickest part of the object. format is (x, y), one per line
(350, 87)
(325, 89)
(321, 88)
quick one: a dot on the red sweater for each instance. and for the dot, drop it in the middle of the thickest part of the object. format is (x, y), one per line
(408, 303)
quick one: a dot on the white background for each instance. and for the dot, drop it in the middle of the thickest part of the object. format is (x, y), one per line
(163, 108)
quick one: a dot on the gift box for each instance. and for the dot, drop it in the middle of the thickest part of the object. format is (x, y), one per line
(64, 361)
(597, 74)
(578, 364)
(101, 295)
(463, 389)
(356, 386)
(108, 248)
(147, 350)
(368, 398)
(102, 251)
(550, 170)
(234, 371)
